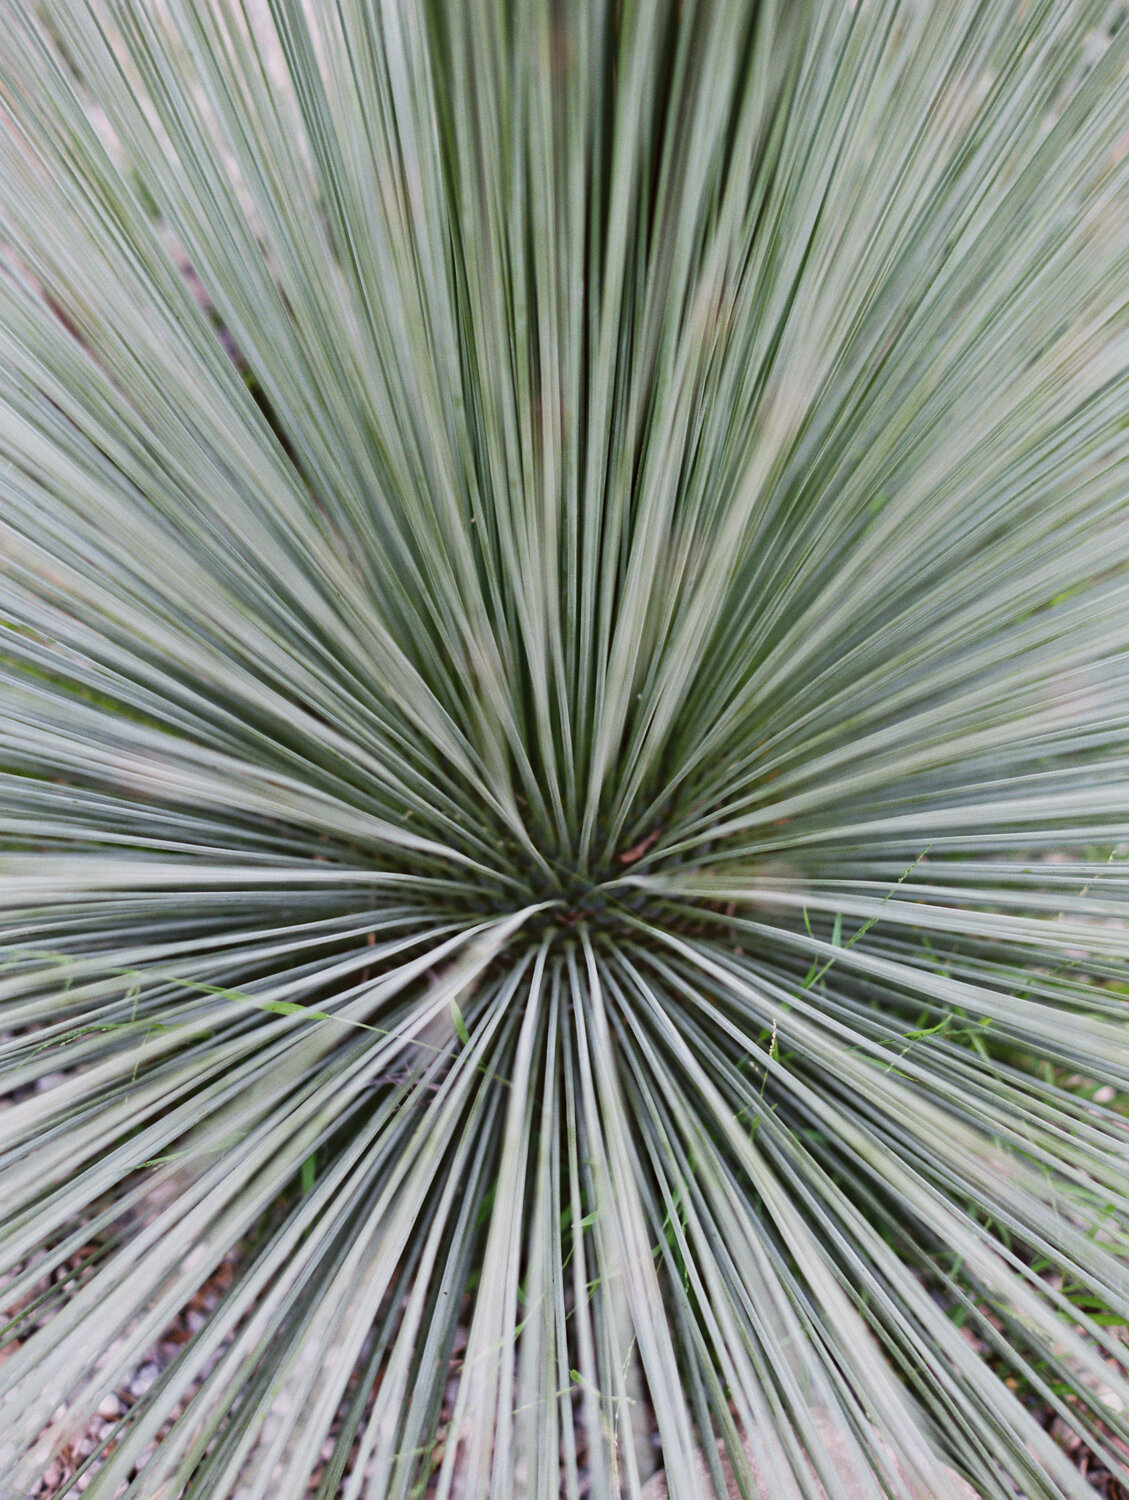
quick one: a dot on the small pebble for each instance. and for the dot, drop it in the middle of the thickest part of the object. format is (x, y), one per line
(142, 1379)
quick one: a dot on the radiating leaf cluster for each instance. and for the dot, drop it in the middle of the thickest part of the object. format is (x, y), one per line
(564, 731)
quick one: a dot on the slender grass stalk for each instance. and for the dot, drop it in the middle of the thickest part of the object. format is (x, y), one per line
(564, 745)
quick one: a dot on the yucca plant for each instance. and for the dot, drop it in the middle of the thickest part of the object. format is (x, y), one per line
(565, 578)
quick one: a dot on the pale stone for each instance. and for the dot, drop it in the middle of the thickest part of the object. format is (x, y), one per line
(955, 1488)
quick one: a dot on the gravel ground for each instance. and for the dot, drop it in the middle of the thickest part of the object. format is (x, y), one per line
(85, 1452)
